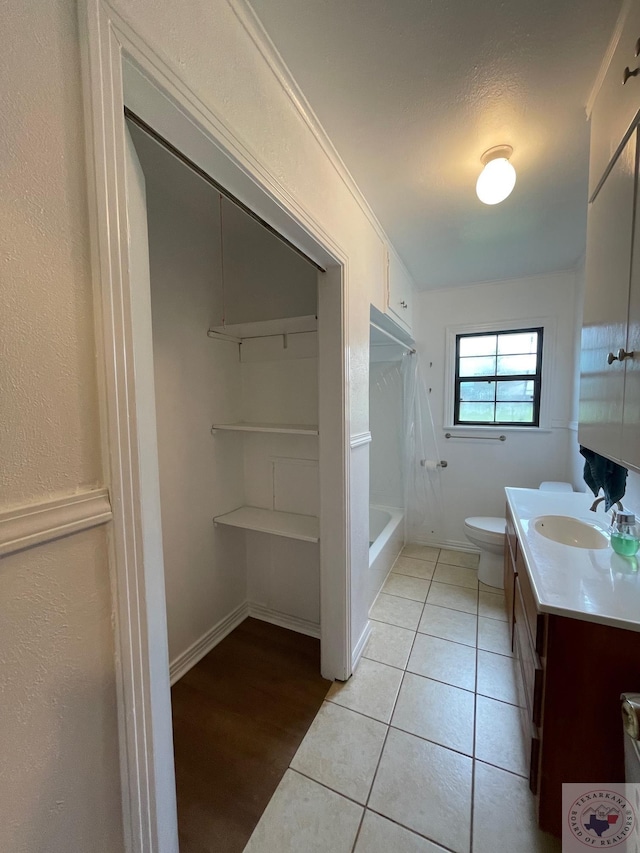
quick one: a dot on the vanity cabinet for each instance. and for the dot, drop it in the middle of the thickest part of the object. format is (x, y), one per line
(570, 674)
(610, 352)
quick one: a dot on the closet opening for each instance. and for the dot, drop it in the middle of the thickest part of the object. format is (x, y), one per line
(236, 330)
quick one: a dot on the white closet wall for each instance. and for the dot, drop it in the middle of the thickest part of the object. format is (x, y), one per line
(215, 573)
(196, 380)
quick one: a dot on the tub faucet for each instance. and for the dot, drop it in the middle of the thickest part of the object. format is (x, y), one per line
(597, 501)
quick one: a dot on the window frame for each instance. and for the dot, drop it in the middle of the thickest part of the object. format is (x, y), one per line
(549, 370)
(497, 378)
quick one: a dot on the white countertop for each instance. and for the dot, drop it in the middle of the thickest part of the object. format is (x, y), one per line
(593, 585)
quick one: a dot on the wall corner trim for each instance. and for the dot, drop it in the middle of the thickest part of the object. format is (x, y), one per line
(360, 645)
(360, 438)
(36, 524)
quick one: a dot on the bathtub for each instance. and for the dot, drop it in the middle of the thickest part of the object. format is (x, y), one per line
(386, 537)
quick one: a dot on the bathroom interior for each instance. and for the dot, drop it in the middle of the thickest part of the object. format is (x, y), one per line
(446, 595)
(397, 478)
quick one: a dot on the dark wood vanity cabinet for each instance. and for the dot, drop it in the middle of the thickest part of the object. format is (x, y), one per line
(570, 675)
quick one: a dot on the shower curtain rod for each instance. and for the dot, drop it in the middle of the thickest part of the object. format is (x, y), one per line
(409, 349)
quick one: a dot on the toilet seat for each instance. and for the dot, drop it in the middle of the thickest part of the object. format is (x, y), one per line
(484, 528)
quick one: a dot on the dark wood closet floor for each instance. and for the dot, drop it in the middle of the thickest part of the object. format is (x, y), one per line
(238, 718)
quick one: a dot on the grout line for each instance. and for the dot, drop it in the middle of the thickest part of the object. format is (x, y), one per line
(438, 844)
(475, 725)
(398, 728)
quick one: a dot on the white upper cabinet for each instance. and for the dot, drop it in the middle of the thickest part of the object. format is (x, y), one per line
(399, 291)
(616, 106)
(610, 359)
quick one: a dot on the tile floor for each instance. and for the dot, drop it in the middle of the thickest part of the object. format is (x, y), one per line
(421, 750)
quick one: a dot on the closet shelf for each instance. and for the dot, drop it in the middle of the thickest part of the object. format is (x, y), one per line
(288, 524)
(289, 429)
(266, 328)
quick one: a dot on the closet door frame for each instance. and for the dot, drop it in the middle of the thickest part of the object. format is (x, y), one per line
(120, 68)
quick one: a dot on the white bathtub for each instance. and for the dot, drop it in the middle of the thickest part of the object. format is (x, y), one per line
(386, 537)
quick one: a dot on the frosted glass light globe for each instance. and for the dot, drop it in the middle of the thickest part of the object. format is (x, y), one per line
(496, 181)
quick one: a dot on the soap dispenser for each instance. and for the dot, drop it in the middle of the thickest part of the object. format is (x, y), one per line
(625, 534)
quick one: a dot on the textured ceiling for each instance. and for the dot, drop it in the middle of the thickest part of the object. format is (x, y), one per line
(411, 92)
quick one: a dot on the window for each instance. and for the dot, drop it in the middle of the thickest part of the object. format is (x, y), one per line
(498, 378)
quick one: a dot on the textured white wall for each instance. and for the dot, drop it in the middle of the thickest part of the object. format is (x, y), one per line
(50, 430)
(474, 481)
(58, 740)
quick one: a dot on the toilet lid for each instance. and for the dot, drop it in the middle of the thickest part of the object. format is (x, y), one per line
(490, 524)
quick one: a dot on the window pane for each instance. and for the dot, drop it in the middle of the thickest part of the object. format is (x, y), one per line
(520, 343)
(478, 366)
(521, 390)
(514, 412)
(483, 412)
(471, 391)
(516, 364)
(478, 345)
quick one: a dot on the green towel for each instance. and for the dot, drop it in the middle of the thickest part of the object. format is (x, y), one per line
(601, 473)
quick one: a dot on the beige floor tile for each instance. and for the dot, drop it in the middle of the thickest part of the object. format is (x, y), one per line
(496, 677)
(456, 575)
(426, 788)
(406, 587)
(389, 644)
(341, 750)
(397, 611)
(303, 815)
(379, 835)
(494, 636)
(443, 660)
(449, 624)
(484, 587)
(454, 597)
(437, 712)
(504, 815)
(492, 606)
(459, 558)
(414, 568)
(421, 552)
(371, 690)
(499, 738)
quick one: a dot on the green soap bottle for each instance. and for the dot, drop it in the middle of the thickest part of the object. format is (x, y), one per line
(625, 535)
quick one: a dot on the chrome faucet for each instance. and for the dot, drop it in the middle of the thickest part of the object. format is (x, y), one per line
(598, 501)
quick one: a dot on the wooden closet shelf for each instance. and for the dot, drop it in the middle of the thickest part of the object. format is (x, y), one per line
(289, 429)
(288, 524)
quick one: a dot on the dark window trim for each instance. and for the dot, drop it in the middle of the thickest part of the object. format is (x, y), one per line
(536, 377)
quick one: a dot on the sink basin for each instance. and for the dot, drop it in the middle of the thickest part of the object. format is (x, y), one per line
(571, 531)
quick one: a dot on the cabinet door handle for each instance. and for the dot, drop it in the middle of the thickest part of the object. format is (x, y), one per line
(628, 73)
(622, 356)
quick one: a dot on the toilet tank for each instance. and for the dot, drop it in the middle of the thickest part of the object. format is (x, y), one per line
(555, 486)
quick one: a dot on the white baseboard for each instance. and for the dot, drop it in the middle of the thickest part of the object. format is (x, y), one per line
(451, 544)
(359, 649)
(294, 623)
(189, 658)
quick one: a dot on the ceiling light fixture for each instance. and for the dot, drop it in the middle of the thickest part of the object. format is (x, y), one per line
(498, 178)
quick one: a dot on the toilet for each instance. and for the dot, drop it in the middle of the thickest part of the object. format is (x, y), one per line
(487, 534)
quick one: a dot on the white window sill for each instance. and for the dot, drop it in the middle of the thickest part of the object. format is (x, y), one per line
(480, 430)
